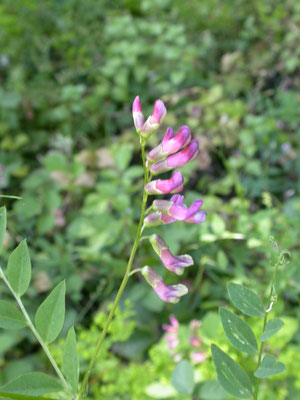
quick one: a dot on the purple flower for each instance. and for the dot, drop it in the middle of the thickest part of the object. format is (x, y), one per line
(152, 123)
(165, 186)
(137, 114)
(169, 294)
(172, 263)
(170, 144)
(176, 160)
(176, 209)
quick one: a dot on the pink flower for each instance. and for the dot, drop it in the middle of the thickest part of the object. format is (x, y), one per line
(165, 186)
(198, 357)
(137, 114)
(172, 263)
(195, 341)
(175, 208)
(152, 123)
(176, 160)
(170, 144)
(169, 294)
(173, 327)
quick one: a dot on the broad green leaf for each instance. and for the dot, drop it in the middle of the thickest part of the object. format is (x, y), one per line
(212, 390)
(10, 316)
(5, 395)
(183, 377)
(238, 332)
(231, 375)
(245, 300)
(272, 327)
(71, 361)
(50, 315)
(2, 225)
(269, 367)
(19, 269)
(32, 384)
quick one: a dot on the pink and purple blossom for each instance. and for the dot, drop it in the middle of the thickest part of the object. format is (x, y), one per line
(170, 143)
(176, 160)
(165, 186)
(174, 264)
(169, 294)
(175, 208)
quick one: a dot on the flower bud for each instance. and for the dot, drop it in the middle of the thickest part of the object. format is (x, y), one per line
(176, 160)
(137, 114)
(170, 144)
(156, 219)
(169, 294)
(172, 263)
(152, 123)
(165, 186)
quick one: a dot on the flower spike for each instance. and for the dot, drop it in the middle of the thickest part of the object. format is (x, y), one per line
(172, 263)
(169, 294)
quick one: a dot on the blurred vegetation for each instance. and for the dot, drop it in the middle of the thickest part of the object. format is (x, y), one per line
(69, 71)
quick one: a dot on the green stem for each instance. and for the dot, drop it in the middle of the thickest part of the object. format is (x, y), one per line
(36, 334)
(123, 283)
(264, 326)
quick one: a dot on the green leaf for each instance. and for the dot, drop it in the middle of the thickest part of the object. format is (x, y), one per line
(50, 315)
(183, 377)
(5, 395)
(245, 300)
(212, 390)
(238, 332)
(32, 384)
(10, 316)
(19, 269)
(269, 367)
(231, 375)
(272, 327)
(2, 225)
(71, 361)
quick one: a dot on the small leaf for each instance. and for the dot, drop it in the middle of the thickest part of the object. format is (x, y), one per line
(269, 367)
(71, 361)
(272, 327)
(10, 316)
(238, 332)
(245, 300)
(19, 268)
(231, 375)
(50, 315)
(32, 384)
(183, 377)
(2, 225)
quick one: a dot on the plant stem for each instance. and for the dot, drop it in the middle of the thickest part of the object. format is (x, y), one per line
(37, 335)
(123, 283)
(264, 326)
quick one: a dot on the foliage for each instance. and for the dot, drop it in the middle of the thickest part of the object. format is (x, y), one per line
(68, 73)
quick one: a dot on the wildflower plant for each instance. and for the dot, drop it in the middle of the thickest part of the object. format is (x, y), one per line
(173, 152)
